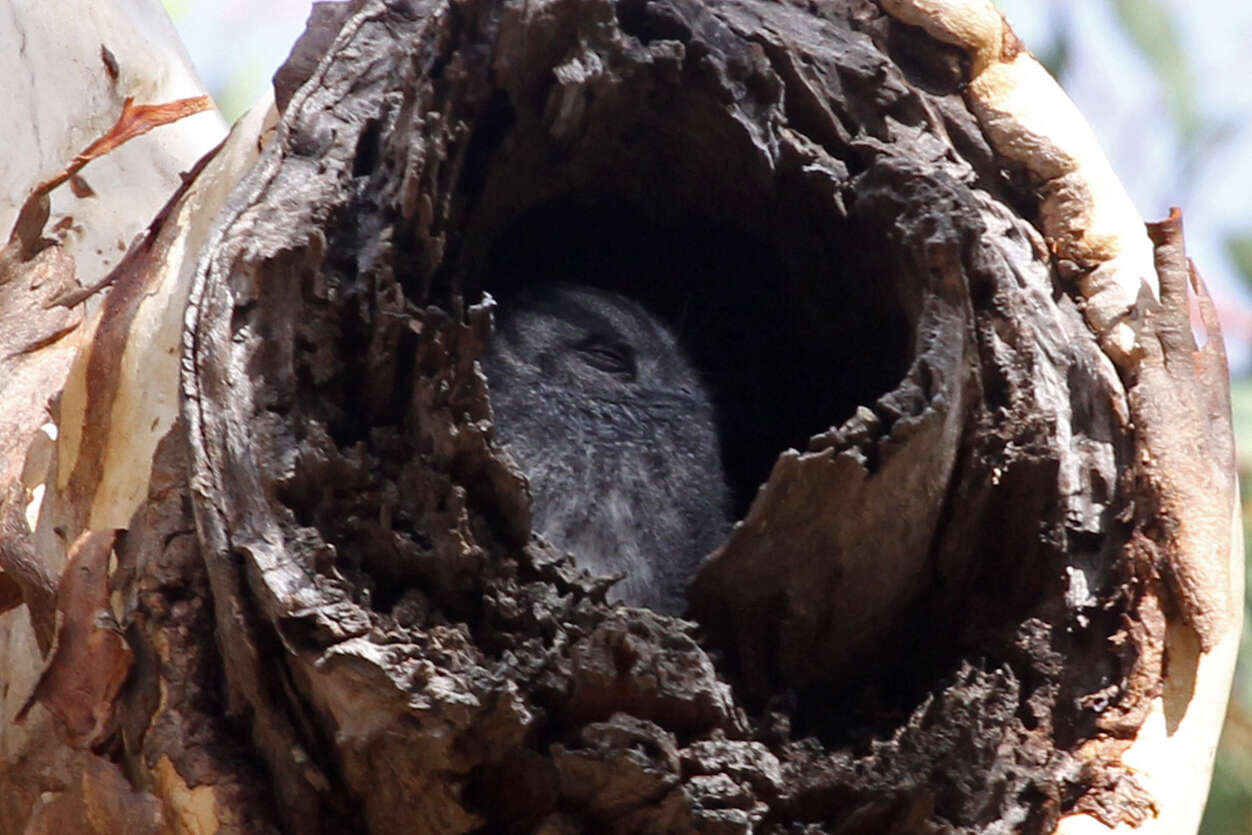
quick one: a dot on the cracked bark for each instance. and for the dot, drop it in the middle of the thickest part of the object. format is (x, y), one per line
(946, 606)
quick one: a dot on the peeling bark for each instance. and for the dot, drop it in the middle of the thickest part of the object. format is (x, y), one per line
(977, 543)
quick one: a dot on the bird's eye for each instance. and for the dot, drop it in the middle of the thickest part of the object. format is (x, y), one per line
(607, 355)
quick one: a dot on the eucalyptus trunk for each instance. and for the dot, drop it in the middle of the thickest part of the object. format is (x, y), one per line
(279, 574)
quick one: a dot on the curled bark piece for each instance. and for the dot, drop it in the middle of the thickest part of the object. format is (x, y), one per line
(1188, 536)
(1180, 402)
(89, 660)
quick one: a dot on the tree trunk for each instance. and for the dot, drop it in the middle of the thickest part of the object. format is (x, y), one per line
(985, 584)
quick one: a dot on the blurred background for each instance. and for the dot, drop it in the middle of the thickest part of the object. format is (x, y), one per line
(1165, 84)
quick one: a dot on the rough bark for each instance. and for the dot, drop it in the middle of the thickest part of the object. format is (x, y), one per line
(945, 608)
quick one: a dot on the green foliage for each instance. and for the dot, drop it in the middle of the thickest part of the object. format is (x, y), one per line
(1239, 248)
(1153, 30)
(1055, 55)
(1229, 803)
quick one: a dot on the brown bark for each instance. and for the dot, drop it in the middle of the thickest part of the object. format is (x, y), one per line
(945, 609)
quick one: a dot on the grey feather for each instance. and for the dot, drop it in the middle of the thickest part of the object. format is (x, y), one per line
(597, 402)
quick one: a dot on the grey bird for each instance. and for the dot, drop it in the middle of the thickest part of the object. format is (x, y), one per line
(608, 419)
